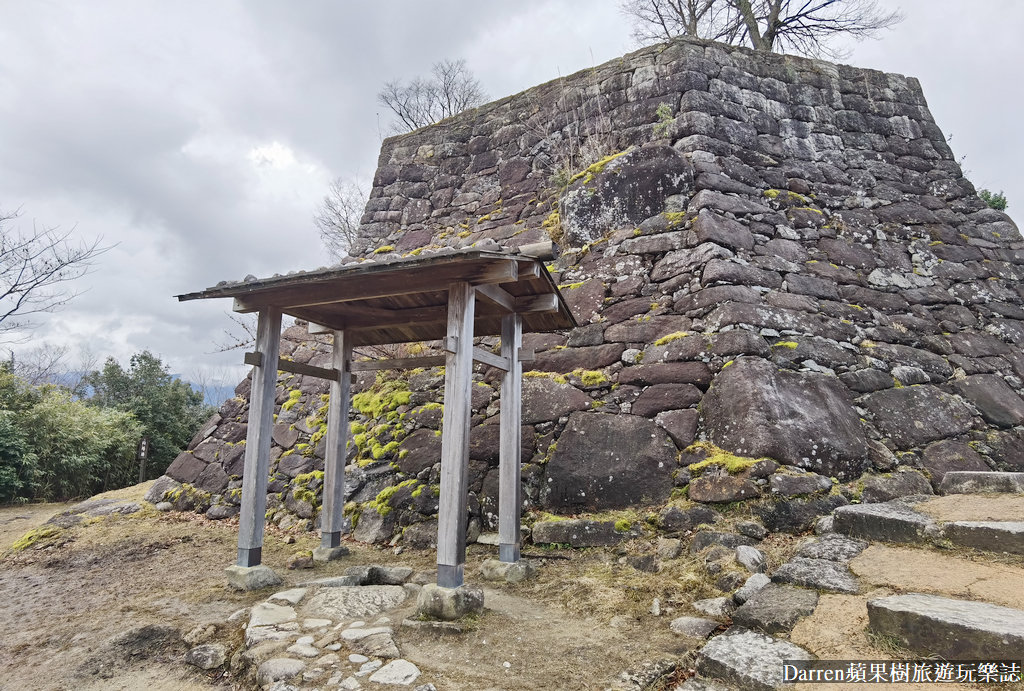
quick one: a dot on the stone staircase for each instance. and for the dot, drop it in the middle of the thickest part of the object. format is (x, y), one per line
(924, 574)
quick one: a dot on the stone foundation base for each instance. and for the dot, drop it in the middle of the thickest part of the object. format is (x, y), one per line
(251, 577)
(514, 572)
(329, 553)
(449, 604)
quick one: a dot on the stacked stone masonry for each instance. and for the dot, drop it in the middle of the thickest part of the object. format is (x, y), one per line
(772, 256)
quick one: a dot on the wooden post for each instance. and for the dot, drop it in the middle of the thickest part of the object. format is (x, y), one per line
(458, 380)
(331, 517)
(510, 503)
(257, 444)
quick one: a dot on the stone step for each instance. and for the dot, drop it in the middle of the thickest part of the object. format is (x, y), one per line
(977, 482)
(991, 536)
(887, 522)
(747, 659)
(952, 629)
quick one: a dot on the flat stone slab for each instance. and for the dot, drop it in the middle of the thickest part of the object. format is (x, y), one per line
(748, 659)
(697, 627)
(269, 614)
(978, 482)
(397, 673)
(833, 547)
(354, 602)
(992, 536)
(776, 608)
(820, 574)
(887, 522)
(953, 629)
(292, 596)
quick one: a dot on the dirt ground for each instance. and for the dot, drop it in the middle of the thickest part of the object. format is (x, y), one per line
(89, 608)
(103, 605)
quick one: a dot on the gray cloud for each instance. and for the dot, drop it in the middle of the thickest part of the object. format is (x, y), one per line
(200, 136)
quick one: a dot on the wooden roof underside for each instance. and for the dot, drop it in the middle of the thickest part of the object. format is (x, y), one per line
(406, 300)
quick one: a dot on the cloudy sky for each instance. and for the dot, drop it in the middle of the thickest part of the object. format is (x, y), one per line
(198, 136)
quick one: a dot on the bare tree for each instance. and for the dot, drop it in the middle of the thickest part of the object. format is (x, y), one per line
(662, 20)
(337, 218)
(784, 26)
(48, 364)
(451, 88)
(241, 335)
(36, 269)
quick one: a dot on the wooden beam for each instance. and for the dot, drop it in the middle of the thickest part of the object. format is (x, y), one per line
(489, 358)
(256, 360)
(378, 285)
(458, 382)
(497, 295)
(510, 503)
(252, 515)
(399, 363)
(546, 302)
(331, 517)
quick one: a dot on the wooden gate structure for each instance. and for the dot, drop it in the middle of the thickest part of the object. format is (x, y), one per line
(448, 297)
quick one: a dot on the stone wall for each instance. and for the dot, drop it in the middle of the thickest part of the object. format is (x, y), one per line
(773, 257)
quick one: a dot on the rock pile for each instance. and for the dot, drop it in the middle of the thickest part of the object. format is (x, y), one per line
(783, 281)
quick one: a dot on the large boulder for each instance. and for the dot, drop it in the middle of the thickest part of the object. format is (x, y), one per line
(993, 397)
(915, 415)
(605, 461)
(623, 190)
(796, 418)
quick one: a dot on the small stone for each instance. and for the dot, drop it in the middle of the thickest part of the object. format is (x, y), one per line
(750, 558)
(302, 560)
(328, 660)
(694, 626)
(751, 587)
(316, 623)
(397, 672)
(164, 506)
(752, 529)
(715, 606)
(303, 650)
(824, 525)
(324, 554)
(333, 647)
(669, 547)
(656, 607)
(357, 659)
(369, 667)
(207, 656)
(277, 669)
(350, 684)
(251, 577)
